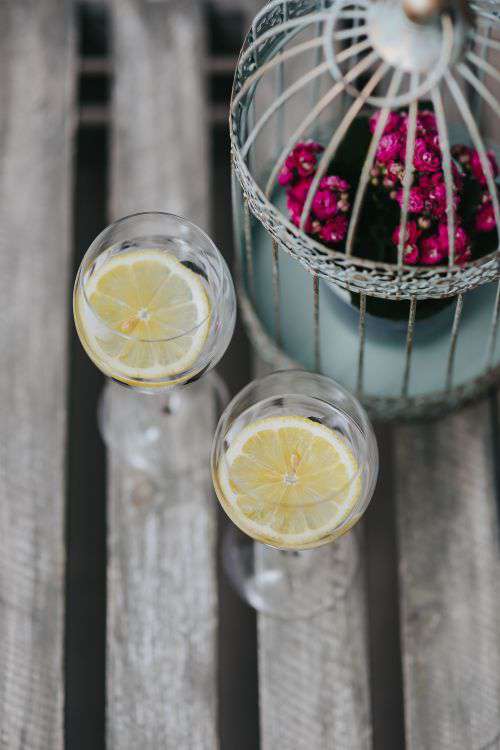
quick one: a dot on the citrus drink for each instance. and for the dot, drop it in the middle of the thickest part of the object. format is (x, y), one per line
(288, 480)
(143, 316)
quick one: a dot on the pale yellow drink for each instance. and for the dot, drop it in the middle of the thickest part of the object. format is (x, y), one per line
(142, 316)
(289, 481)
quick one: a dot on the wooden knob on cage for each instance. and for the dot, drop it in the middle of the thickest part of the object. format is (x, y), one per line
(423, 11)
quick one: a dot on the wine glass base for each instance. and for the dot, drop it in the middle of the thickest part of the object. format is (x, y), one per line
(290, 585)
(165, 434)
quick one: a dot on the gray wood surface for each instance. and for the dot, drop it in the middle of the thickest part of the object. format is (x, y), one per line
(162, 598)
(160, 127)
(314, 673)
(161, 663)
(36, 116)
(450, 581)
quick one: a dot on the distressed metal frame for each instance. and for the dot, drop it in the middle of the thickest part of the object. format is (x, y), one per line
(267, 50)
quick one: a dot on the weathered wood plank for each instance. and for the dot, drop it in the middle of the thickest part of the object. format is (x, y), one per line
(314, 681)
(314, 673)
(159, 144)
(161, 664)
(162, 598)
(450, 581)
(36, 117)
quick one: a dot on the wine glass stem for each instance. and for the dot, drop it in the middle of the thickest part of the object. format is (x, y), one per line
(164, 433)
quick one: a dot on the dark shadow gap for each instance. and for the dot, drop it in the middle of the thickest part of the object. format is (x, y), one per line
(386, 673)
(238, 707)
(85, 619)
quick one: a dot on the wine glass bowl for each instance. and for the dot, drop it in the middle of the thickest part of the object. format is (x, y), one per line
(155, 309)
(294, 465)
(312, 406)
(154, 302)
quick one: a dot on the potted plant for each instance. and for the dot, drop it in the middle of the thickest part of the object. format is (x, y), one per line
(426, 236)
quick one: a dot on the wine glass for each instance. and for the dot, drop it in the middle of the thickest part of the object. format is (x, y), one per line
(294, 465)
(154, 307)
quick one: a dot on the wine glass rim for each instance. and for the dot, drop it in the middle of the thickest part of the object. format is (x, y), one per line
(95, 244)
(361, 418)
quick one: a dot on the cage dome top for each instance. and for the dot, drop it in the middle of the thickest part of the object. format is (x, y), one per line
(312, 68)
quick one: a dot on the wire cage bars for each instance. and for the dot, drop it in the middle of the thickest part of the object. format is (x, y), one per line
(316, 69)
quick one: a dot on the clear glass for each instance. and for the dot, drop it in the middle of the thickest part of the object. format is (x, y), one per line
(143, 248)
(284, 574)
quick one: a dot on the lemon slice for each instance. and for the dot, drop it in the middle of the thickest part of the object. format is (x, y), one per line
(149, 316)
(289, 481)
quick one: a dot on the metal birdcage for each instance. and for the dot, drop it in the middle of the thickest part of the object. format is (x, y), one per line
(315, 69)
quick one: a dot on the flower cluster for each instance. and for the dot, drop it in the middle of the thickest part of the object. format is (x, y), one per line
(426, 237)
(471, 165)
(327, 219)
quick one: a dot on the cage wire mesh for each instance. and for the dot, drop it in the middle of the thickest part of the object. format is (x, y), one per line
(410, 339)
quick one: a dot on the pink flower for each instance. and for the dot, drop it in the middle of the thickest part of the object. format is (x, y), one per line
(426, 159)
(431, 250)
(300, 190)
(300, 162)
(426, 121)
(415, 202)
(306, 161)
(464, 257)
(427, 181)
(485, 218)
(294, 208)
(392, 174)
(286, 176)
(393, 122)
(335, 183)
(462, 242)
(461, 237)
(335, 230)
(330, 205)
(432, 140)
(389, 148)
(411, 234)
(438, 198)
(325, 204)
(411, 254)
(396, 170)
(477, 167)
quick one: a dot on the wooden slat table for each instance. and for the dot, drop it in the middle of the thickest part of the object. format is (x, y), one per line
(161, 579)
(450, 579)
(314, 673)
(171, 677)
(36, 127)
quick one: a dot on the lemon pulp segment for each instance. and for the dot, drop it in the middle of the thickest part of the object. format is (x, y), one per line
(288, 480)
(149, 316)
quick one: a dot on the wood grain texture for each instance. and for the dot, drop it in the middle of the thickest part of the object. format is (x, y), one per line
(159, 144)
(161, 663)
(450, 581)
(36, 119)
(314, 681)
(314, 673)
(162, 594)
